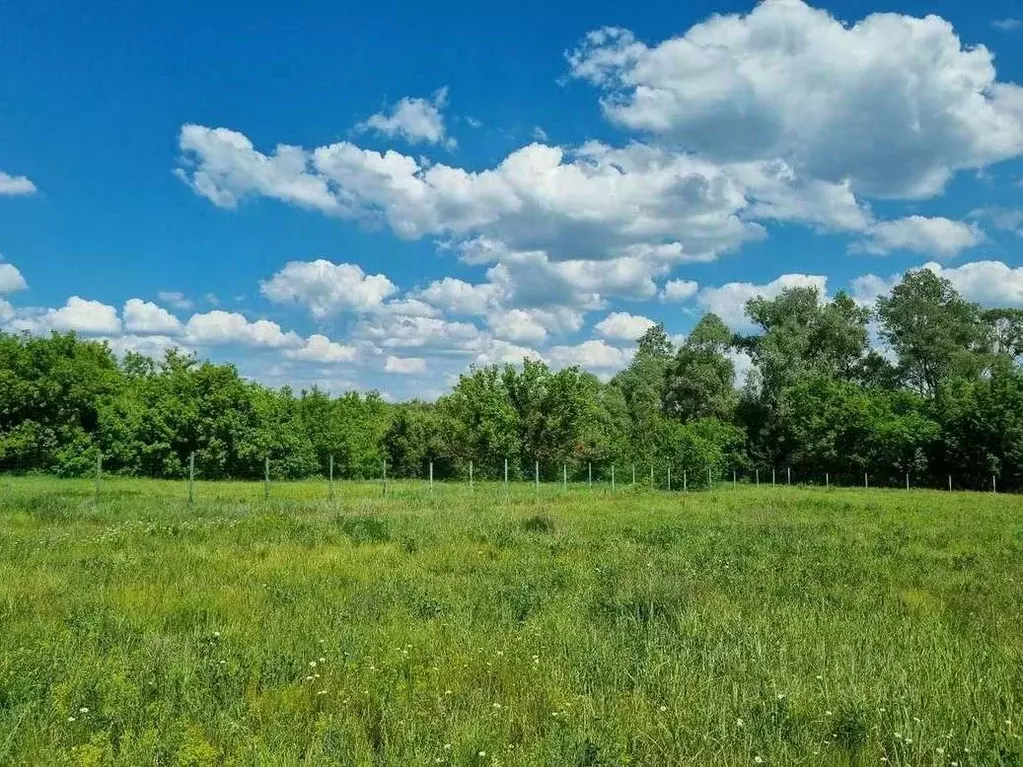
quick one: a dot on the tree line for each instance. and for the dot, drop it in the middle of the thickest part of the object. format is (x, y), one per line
(925, 383)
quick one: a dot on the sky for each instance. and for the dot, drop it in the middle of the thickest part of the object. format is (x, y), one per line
(378, 196)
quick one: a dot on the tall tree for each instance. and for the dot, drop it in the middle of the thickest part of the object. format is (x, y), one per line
(936, 334)
(700, 380)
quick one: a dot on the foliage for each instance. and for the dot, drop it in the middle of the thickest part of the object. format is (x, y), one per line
(939, 393)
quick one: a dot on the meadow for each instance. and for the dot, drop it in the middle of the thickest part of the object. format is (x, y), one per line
(779, 626)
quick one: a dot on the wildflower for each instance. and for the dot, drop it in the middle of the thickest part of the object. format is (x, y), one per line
(497, 705)
(312, 664)
(482, 753)
(447, 746)
(940, 751)
(71, 719)
(758, 760)
(827, 713)
(820, 678)
(322, 692)
(216, 635)
(447, 692)
(83, 710)
(309, 678)
(781, 696)
(323, 660)
(739, 723)
(663, 709)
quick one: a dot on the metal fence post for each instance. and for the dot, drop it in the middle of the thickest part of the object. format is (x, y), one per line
(431, 476)
(471, 487)
(332, 476)
(506, 476)
(612, 477)
(191, 479)
(99, 473)
(589, 475)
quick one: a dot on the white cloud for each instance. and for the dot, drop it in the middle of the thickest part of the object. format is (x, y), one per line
(405, 365)
(517, 325)
(624, 326)
(1007, 25)
(154, 346)
(319, 348)
(13, 186)
(893, 104)
(595, 202)
(991, 283)
(865, 290)
(223, 166)
(459, 297)
(146, 318)
(414, 119)
(11, 280)
(6, 311)
(939, 236)
(594, 353)
(220, 328)
(326, 288)
(729, 301)
(679, 290)
(174, 299)
(82, 316)
(497, 352)
(400, 332)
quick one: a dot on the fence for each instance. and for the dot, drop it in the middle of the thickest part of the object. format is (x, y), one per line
(657, 481)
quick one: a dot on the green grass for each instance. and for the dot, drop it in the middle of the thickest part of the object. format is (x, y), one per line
(785, 625)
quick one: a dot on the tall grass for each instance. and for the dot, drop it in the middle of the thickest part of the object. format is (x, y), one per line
(781, 626)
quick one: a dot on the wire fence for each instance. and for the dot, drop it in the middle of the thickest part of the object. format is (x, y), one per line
(612, 478)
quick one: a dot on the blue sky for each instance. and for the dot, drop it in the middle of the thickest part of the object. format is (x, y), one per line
(378, 196)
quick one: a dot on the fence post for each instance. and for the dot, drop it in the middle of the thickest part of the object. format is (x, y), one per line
(772, 477)
(431, 476)
(710, 479)
(733, 479)
(788, 479)
(866, 481)
(589, 475)
(536, 478)
(332, 476)
(633, 475)
(685, 481)
(506, 476)
(950, 483)
(99, 472)
(758, 477)
(384, 465)
(471, 486)
(669, 477)
(907, 480)
(612, 477)
(564, 476)
(191, 479)
(994, 485)
(651, 476)
(266, 478)
(827, 480)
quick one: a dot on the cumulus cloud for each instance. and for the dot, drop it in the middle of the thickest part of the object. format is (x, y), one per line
(991, 283)
(416, 120)
(460, 297)
(220, 328)
(15, 186)
(146, 318)
(325, 288)
(938, 236)
(318, 348)
(11, 280)
(623, 326)
(893, 104)
(404, 365)
(678, 291)
(79, 315)
(729, 301)
(594, 353)
(401, 331)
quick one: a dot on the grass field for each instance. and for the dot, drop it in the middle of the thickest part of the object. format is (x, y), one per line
(782, 626)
